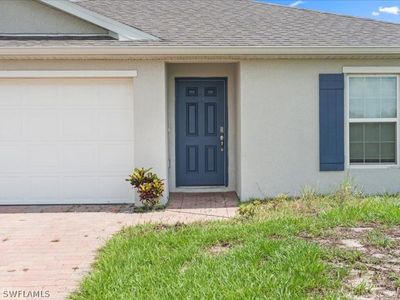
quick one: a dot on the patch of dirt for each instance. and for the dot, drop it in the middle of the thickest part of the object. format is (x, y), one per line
(274, 237)
(352, 244)
(375, 272)
(177, 225)
(160, 227)
(219, 248)
(185, 267)
(394, 233)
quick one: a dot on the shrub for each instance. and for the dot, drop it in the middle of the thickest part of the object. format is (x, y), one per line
(282, 197)
(347, 191)
(362, 288)
(309, 193)
(248, 210)
(149, 187)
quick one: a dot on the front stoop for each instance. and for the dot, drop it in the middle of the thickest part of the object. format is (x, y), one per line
(222, 204)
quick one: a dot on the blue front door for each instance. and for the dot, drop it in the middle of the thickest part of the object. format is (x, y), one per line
(201, 132)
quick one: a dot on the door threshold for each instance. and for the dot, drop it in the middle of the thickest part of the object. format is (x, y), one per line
(202, 189)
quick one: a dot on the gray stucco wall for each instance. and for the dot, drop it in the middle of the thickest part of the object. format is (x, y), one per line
(279, 130)
(274, 120)
(29, 16)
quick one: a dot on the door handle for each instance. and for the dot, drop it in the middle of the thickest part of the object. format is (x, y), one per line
(222, 138)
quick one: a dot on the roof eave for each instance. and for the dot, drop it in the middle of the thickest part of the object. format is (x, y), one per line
(197, 50)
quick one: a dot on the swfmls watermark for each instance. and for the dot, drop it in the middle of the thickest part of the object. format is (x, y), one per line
(21, 294)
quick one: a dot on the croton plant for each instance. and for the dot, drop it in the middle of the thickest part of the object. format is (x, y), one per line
(148, 185)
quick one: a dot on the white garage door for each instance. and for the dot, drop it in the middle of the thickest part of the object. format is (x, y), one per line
(65, 140)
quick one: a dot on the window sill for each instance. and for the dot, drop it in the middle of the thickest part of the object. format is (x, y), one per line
(361, 167)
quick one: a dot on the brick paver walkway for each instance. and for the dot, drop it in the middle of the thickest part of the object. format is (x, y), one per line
(46, 251)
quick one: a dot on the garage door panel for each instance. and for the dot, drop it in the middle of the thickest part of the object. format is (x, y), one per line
(80, 188)
(66, 140)
(107, 162)
(10, 124)
(42, 158)
(40, 93)
(9, 97)
(116, 94)
(12, 189)
(42, 124)
(78, 124)
(114, 188)
(12, 158)
(81, 93)
(43, 188)
(114, 124)
(79, 158)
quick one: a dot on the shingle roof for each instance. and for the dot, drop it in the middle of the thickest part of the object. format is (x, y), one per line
(233, 23)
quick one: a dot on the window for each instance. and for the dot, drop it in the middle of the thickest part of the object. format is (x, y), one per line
(373, 120)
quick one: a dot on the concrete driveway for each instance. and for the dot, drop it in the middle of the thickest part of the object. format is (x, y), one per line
(44, 255)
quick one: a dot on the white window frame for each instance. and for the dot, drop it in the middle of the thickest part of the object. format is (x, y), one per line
(370, 120)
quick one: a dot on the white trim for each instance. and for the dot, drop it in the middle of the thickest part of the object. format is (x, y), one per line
(125, 32)
(347, 122)
(53, 34)
(372, 120)
(68, 74)
(372, 70)
(198, 50)
(372, 166)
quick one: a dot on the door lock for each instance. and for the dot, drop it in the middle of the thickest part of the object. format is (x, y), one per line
(222, 138)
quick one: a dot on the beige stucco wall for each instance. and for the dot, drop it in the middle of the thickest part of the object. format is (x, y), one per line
(29, 16)
(279, 130)
(203, 70)
(150, 103)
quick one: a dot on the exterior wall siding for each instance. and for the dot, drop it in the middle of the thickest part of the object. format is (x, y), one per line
(279, 131)
(273, 121)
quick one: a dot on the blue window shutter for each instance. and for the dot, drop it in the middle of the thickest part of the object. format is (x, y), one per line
(331, 122)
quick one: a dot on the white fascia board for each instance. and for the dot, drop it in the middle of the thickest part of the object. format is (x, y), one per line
(125, 32)
(69, 74)
(23, 35)
(372, 70)
(198, 50)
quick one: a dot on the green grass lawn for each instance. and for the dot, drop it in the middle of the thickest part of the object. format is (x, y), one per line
(271, 252)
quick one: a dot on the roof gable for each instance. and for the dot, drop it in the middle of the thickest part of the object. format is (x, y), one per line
(59, 18)
(118, 29)
(33, 17)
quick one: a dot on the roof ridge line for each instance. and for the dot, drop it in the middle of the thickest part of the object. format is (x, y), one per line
(323, 12)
